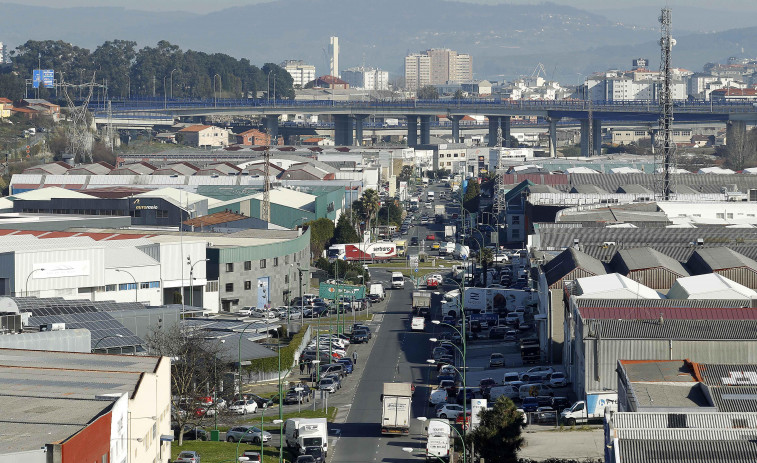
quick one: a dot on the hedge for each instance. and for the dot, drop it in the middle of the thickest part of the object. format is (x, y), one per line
(269, 364)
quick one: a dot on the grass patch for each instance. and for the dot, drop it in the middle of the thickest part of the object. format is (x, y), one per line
(217, 452)
(271, 415)
(581, 428)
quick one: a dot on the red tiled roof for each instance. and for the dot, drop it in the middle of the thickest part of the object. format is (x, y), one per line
(331, 80)
(5, 100)
(736, 91)
(672, 313)
(195, 128)
(215, 219)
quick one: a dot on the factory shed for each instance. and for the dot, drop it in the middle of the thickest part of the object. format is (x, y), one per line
(648, 267)
(726, 262)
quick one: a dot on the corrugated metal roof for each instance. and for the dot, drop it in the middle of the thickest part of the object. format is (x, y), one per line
(645, 258)
(683, 434)
(735, 398)
(727, 375)
(663, 303)
(686, 451)
(705, 330)
(668, 313)
(661, 420)
(569, 260)
(634, 189)
(678, 371)
(719, 258)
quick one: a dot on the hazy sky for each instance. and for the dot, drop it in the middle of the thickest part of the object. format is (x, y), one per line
(204, 6)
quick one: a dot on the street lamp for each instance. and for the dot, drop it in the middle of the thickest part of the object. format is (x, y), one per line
(220, 84)
(29, 276)
(104, 338)
(239, 358)
(136, 285)
(191, 278)
(172, 82)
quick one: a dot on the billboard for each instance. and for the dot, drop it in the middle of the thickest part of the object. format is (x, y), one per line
(328, 291)
(43, 77)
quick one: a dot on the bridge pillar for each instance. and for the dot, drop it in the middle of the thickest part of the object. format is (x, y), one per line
(653, 139)
(359, 118)
(597, 140)
(735, 135)
(342, 130)
(585, 137)
(425, 130)
(271, 122)
(493, 126)
(412, 130)
(553, 136)
(505, 123)
(455, 128)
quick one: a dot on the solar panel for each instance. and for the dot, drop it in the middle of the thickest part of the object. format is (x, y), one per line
(106, 331)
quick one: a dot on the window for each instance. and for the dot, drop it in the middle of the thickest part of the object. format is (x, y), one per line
(154, 284)
(144, 285)
(211, 287)
(286, 279)
(229, 287)
(262, 263)
(230, 267)
(286, 260)
(109, 288)
(516, 220)
(729, 215)
(161, 214)
(247, 285)
(275, 261)
(248, 265)
(127, 286)
(720, 215)
(133, 213)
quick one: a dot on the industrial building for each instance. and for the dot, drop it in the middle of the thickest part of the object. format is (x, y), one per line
(86, 407)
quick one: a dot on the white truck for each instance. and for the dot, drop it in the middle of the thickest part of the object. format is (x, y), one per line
(591, 409)
(418, 324)
(377, 290)
(398, 280)
(437, 440)
(306, 432)
(395, 410)
(449, 231)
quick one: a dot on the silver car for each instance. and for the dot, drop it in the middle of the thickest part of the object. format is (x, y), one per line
(251, 434)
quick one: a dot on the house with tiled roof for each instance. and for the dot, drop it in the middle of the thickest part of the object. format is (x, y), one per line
(203, 136)
(35, 107)
(330, 82)
(6, 106)
(252, 137)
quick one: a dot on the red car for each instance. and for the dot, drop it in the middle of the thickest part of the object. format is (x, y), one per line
(430, 237)
(459, 420)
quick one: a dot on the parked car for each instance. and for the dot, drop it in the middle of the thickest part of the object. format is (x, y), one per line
(546, 415)
(191, 433)
(251, 434)
(511, 377)
(530, 404)
(305, 459)
(557, 379)
(359, 336)
(243, 407)
(327, 384)
(496, 360)
(449, 411)
(316, 452)
(526, 375)
(252, 456)
(459, 420)
(294, 397)
(560, 403)
(188, 456)
(347, 362)
(262, 402)
(485, 384)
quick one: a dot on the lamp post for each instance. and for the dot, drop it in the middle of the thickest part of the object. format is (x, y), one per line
(165, 103)
(172, 82)
(104, 338)
(29, 276)
(136, 285)
(239, 358)
(215, 388)
(191, 277)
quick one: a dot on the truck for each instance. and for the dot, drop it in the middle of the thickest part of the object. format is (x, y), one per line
(363, 251)
(529, 350)
(439, 213)
(414, 203)
(401, 247)
(398, 280)
(461, 251)
(447, 248)
(395, 410)
(449, 231)
(438, 440)
(592, 409)
(377, 292)
(421, 303)
(418, 324)
(306, 432)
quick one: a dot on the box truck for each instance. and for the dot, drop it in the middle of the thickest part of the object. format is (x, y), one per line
(395, 415)
(306, 432)
(591, 409)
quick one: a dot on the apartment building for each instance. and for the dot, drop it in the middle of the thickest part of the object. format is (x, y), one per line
(437, 66)
(301, 73)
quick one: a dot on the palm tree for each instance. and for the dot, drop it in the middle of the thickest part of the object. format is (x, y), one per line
(369, 203)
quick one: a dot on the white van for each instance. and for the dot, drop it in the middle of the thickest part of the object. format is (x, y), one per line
(511, 391)
(438, 396)
(398, 280)
(529, 390)
(418, 324)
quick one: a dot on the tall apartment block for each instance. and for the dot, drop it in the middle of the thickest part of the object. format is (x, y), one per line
(334, 56)
(437, 66)
(301, 73)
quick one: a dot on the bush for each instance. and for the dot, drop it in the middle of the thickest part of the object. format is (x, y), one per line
(269, 364)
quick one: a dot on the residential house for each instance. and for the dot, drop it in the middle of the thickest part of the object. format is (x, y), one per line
(6, 106)
(204, 135)
(253, 137)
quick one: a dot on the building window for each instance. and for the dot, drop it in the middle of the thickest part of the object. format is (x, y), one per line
(229, 287)
(133, 213)
(154, 284)
(211, 287)
(248, 265)
(145, 285)
(516, 220)
(286, 279)
(262, 263)
(286, 260)
(275, 261)
(230, 267)
(127, 286)
(161, 214)
(247, 285)
(109, 288)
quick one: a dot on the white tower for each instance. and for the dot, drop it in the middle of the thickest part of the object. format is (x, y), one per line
(334, 55)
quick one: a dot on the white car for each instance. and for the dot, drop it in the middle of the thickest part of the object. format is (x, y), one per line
(557, 379)
(438, 396)
(243, 407)
(245, 311)
(536, 371)
(450, 411)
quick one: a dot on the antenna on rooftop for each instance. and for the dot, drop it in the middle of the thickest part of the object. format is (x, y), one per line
(665, 159)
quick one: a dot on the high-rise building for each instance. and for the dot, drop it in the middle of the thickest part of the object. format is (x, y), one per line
(334, 56)
(437, 66)
(301, 73)
(2, 53)
(366, 78)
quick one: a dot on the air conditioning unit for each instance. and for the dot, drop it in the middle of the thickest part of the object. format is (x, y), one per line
(52, 327)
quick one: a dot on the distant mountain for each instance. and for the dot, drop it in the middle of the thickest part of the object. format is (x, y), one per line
(506, 41)
(685, 20)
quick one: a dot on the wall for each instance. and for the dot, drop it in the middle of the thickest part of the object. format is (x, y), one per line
(78, 340)
(90, 444)
(152, 399)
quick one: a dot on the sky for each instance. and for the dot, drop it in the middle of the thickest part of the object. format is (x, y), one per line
(204, 6)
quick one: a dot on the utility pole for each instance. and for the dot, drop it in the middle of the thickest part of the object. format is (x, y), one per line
(265, 208)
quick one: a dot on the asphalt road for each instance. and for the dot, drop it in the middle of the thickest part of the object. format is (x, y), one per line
(397, 356)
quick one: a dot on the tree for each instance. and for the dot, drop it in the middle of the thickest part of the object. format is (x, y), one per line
(486, 258)
(321, 233)
(406, 173)
(459, 95)
(472, 196)
(367, 206)
(196, 371)
(345, 231)
(497, 438)
(429, 92)
(741, 149)
(392, 211)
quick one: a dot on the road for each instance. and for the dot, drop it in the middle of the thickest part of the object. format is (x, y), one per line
(397, 356)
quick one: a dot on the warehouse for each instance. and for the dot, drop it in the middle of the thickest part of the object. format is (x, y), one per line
(726, 262)
(648, 267)
(710, 286)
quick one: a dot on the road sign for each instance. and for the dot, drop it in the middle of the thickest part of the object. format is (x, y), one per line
(43, 77)
(328, 291)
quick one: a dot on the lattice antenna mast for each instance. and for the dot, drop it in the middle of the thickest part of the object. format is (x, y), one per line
(499, 180)
(80, 139)
(666, 158)
(590, 138)
(265, 212)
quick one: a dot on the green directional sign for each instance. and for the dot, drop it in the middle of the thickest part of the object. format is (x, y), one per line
(329, 291)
